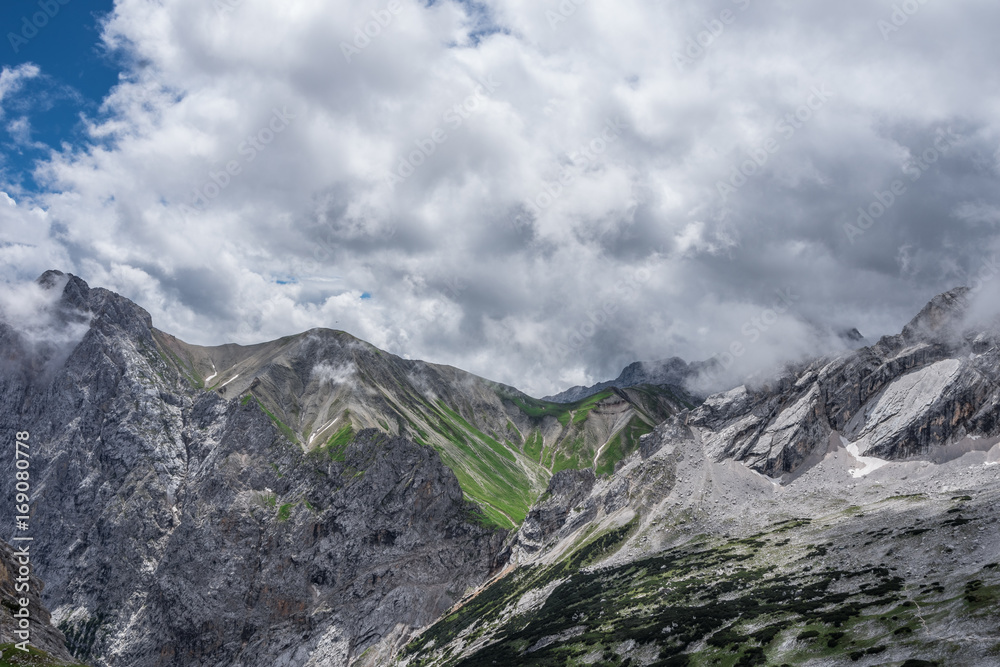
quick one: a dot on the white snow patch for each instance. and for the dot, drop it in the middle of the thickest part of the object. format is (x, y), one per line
(321, 429)
(229, 380)
(993, 456)
(869, 463)
(212, 375)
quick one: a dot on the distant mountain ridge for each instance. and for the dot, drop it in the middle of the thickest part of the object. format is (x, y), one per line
(672, 372)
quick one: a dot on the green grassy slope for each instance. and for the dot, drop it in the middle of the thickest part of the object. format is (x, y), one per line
(502, 470)
(11, 656)
(322, 387)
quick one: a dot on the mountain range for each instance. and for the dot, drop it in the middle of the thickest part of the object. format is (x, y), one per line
(317, 501)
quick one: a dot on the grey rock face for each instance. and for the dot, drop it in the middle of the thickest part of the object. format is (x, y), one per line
(566, 490)
(577, 503)
(177, 528)
(931, 386)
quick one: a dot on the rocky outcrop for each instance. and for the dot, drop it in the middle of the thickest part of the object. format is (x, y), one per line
(577, 504)
(931, 386)
(567, 489)
(175, 527)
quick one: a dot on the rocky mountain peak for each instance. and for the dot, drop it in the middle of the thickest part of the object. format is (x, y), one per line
(940, 318)
(73, 293)
(73, 302)
(672, 372)
(51, 278)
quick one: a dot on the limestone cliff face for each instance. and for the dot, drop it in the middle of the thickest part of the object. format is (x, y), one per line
(932, 386)
(549, 517)
(175, 527)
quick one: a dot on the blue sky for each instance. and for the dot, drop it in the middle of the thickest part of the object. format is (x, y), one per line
(76, 75)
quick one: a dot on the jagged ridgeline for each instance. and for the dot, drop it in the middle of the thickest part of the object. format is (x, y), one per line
(322, 387)
(294, 502)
